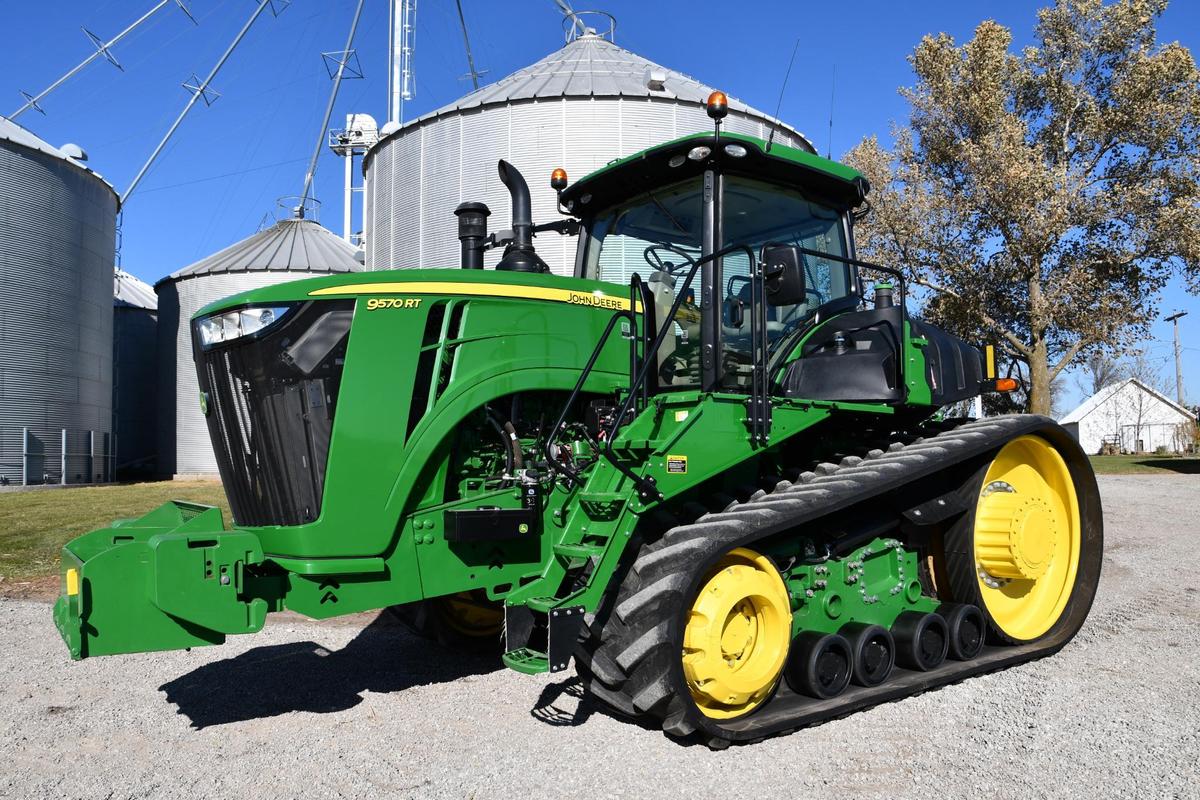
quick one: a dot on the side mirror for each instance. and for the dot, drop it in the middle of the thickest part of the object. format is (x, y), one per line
(783, 274)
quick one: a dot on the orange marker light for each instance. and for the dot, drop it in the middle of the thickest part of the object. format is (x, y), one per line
(717, 105)
(1006, 384)
(558, 179)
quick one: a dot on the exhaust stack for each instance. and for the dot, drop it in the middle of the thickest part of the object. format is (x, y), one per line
(519, 255)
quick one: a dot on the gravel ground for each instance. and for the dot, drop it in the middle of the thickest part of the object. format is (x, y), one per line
(362, 709)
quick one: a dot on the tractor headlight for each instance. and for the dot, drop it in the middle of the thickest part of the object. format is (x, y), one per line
(229, 325)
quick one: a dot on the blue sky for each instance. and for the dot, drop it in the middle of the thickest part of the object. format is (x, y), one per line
(229, 163)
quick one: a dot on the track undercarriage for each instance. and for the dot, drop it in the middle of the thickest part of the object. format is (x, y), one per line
(915, 506)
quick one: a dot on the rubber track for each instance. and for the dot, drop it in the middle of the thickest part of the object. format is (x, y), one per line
(628, 660)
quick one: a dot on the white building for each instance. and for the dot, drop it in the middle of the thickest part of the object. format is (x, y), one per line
(1132, 416)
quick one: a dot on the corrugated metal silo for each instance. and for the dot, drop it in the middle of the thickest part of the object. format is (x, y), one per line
(289, 250)
(135, 375)
(578, 108)
(57, 241)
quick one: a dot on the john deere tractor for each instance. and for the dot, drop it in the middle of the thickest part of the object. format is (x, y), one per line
(710, 466)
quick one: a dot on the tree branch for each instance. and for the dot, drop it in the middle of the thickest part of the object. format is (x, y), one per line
(1011, 338)
(1069, 356)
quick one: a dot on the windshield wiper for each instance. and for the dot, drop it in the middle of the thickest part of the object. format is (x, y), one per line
(664, 210)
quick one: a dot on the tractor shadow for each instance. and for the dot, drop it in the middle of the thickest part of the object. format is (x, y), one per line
(304, 676)
(567, 704)
(1183, 466)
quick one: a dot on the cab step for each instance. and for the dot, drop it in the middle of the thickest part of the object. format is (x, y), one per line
(526, 660)
(526, 627)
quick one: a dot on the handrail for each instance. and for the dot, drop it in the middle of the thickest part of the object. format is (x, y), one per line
(638, 295)
(901, 302)
(647, 486)
(638, 387)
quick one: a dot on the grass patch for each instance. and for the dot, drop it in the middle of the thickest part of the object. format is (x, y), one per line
(1145, 465)
(34, 525)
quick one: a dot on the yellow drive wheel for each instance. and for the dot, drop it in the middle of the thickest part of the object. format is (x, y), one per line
(736, 635)
(471, 614)
(1026, 538)
(465, 622)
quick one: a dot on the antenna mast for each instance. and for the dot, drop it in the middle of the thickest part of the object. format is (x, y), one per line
(102, 49)
(400, 54)
(199, 89)
(569, 13)
(343, 58)
(472, 74)
(779, 103)
(832, 87)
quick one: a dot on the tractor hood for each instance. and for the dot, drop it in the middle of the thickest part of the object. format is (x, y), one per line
(396, 285)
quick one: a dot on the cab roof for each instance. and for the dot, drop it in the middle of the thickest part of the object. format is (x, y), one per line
(834, 183)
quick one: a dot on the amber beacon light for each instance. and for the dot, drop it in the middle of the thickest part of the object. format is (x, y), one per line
(717, 105)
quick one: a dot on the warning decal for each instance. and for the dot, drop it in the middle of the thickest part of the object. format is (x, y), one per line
(677, 465)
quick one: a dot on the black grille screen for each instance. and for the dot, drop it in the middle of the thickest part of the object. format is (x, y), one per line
(271, 401)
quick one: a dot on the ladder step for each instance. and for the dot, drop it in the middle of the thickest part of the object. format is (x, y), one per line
(541, 604)
(530, 662)
(577, 550)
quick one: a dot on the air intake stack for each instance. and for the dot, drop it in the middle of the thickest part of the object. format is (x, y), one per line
(472, 232)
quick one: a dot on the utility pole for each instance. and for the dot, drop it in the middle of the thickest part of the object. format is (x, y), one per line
(1174, 320)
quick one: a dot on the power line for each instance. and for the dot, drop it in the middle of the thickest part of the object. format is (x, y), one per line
(233, 174)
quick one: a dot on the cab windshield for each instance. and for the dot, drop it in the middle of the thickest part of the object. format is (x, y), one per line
(656, 233)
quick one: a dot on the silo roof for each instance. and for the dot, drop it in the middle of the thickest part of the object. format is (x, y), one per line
(290, 245)
(592, 66)
(17, 134)
(132, 292)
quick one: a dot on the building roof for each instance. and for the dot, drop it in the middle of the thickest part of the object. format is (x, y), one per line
(17, 134)
(290, 245)
(131, 292)
(1110, 391)
(592, 66)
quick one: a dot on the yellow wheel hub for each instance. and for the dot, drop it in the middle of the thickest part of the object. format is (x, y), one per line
(1015, 536)
(1027, 537)
(736, 637)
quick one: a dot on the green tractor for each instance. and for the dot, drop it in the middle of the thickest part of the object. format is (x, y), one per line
(705, 467)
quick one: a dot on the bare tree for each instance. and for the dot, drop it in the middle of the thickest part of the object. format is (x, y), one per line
(1044, 196)
(1100, 369)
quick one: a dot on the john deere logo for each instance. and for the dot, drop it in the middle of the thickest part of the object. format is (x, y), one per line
(204, 403)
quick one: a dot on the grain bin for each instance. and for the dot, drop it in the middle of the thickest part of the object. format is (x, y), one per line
(135, 375)
(578, 108)
(289, 250)
(57, 240)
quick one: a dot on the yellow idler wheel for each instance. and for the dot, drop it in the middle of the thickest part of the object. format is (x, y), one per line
(1026, 538)
(736, 637)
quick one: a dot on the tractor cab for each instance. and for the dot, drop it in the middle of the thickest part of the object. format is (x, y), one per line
(659, 212)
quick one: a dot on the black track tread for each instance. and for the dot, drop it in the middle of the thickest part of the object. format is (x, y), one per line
(626, 659)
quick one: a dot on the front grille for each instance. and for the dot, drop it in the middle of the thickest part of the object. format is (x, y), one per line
(271, 400)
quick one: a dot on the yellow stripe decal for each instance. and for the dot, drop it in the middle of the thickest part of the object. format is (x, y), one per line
(991, 361)
(590, 299)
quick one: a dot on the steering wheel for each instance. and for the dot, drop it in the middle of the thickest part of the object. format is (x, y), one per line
(652, 257)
